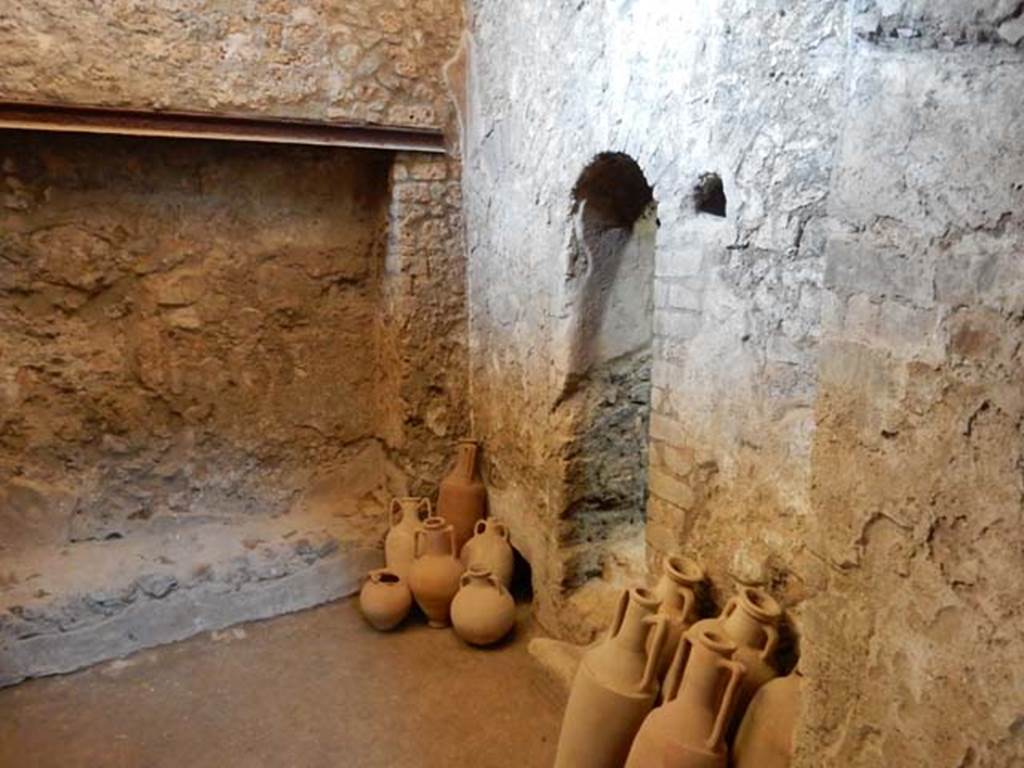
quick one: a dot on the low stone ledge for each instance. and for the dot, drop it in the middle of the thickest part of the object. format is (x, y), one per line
(63, 610)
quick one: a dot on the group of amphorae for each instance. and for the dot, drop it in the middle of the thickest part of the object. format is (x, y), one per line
(714, 681)
(456, 565)
(663, 689)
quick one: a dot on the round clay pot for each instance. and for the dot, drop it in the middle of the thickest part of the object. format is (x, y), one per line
(435, 572)
(677, 594)
(489, 548)
(689, 729)
(614, 689)
(765, 736)
(404, 518)
(483, 611)
(750, 619)
(462, 498)
(384, 599)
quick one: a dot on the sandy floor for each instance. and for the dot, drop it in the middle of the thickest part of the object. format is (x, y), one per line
(317, 688)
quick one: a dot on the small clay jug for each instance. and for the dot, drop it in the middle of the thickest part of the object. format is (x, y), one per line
(462, 499)
(765, 736)
(384, 599)
(750, 619)
(677, 593)
(404, 518)
(689, 730)
(483, 611)
(490, 549)
(614, 688)
(435, 572)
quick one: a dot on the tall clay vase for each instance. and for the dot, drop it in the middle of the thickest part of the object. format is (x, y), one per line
(765, 737)
(750, 619)
(688, 730)
(404, 518)
(462, 499)
(677, 593)
(384, 599)
(483, 611)
(614, 688)
(435, 572)
(489, 548)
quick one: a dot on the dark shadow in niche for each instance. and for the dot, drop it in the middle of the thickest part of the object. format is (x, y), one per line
(522, 579)
(607, 336)
(709, 195)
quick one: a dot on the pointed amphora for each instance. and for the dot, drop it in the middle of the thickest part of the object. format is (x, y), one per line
(615, 687)
(689, 729)
(462, 498)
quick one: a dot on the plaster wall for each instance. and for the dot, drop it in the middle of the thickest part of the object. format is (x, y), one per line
(836, 405)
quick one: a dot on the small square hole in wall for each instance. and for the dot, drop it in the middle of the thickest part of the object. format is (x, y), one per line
(710, 195)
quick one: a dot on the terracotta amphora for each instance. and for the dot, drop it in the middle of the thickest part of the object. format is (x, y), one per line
(483, 611)
(462, 499)
(765, 737)
(490, 548)
(614, 688)
(385, 599)
(435, 572)
(677, 594)
(688, 730)
(750, 619)
(404, 518)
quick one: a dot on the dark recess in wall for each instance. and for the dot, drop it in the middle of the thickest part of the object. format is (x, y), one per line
(710, 195)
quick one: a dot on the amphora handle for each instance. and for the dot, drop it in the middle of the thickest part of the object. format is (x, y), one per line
(674, 676)
(730, 607)
(620, 614)
(689, 598)
(771, 641)
(416, 539)
(424, 504)
(660, 630)
(735, 671)
(396, 506)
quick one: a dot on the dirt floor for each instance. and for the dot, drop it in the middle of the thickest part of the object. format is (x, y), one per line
(316, 688)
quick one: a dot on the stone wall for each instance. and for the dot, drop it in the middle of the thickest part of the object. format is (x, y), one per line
(187, 332)
(836, 406)
(374, 61)
(423, 352)
(218, 362)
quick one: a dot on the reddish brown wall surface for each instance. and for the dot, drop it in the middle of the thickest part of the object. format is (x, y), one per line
(376, 61)
(187, 327)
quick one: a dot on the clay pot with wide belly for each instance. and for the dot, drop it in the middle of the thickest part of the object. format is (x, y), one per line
(384, 599)
(750, 619)
(483, 611)
(677, 594)
(404, 518)
(688, 730)
(489, 548)
(765, 736)
(435, 572)
(462, 498)
(614, 688)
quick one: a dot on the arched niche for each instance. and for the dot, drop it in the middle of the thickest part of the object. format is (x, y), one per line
(604, 347)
